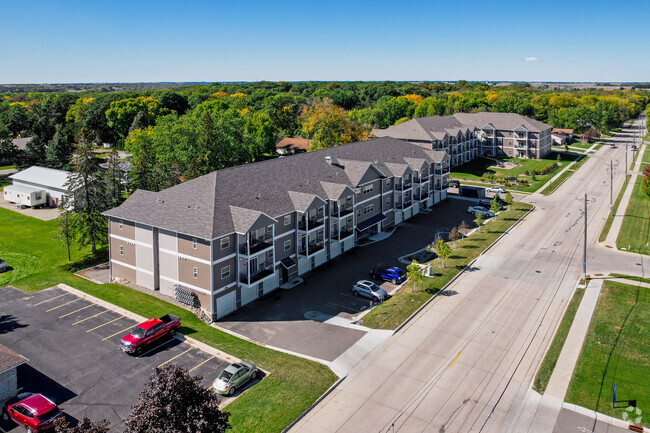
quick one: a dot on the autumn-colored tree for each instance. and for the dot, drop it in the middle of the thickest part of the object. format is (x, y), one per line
(327, 125)
(61, 425)
(454, 235)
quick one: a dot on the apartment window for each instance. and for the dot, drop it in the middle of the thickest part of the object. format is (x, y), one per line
(121, 250)
(269, 254)
(225, 243)
(287, 245)
(121, 224)
(287, 220)
(269, 229)
(387, 201)
(195, 272)
(348, 198)
(225, 272)
(387, 183)
(195, 244)
(358, 213)
(321, 233)
(367, 189)
(368, 209)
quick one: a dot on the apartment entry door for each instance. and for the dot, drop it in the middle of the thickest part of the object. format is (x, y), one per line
(252, 265)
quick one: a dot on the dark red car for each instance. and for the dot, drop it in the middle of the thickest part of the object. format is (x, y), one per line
(148, 332)
(35, 412)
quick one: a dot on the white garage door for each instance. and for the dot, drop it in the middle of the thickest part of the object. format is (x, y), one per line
(248, 294)
(226, 304)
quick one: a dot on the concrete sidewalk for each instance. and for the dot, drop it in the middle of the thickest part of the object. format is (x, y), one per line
(622, 207)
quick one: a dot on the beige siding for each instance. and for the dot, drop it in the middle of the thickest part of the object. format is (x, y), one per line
(127, 230)
(218, 253)
(144, 279)
(185, 246)
(186, 275)
(167, 240)
(144, 234)
(129, 251)
(168, 265)
(144, 257)
(119, 271)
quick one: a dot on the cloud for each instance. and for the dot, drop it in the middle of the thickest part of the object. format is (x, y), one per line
(532, 59)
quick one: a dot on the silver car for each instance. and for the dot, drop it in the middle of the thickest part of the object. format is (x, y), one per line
(234, 377)
(370, 290)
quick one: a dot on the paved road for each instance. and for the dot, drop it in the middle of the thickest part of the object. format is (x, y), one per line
(466, 362)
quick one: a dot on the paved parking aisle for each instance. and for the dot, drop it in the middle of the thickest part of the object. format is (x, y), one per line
(72, 347)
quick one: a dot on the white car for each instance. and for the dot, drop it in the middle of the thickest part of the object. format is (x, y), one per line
(485, 213)
(496, 189)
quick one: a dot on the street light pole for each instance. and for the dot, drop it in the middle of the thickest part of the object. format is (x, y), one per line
(584, 251)
(611, 187)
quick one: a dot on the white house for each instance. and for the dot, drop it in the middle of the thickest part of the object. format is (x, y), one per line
(49, 180)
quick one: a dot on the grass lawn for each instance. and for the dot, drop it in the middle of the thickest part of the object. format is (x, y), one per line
(5, 167)
(616, 351)
(580, 145)
(557, 182)
(610, 219)
(635, 230)
(294, 383)
(631, 278)
(398, 308)
(553, 353)
(476, 169)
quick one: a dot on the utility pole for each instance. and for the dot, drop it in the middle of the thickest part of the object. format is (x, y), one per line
(584, 251)
(625, 161)
(611, 187)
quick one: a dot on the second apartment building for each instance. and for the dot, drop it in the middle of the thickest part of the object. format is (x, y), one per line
(236, 234)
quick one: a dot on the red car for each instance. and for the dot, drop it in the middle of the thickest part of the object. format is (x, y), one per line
(35, 412)
(148, 332)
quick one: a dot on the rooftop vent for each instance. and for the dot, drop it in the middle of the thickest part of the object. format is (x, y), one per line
(329, 159)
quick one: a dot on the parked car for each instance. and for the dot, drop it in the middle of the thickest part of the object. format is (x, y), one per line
(234, 376)
(393, 274)
(488, 204)
(4, 267)
(454, 183)
(370, 290)
(634, 147)
(35, 412)
(148, 332)
(485, 213)
(496, 190)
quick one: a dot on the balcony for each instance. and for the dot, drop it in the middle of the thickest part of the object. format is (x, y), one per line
(340, 212)
(314, 247)
(312, 223)
(417, 180)
(403, 186)
(347, 232)
(257, 276)
(445, 185)
(424, 196)
(407, 203)
(256, 246)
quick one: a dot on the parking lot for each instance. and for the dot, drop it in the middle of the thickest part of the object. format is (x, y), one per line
(291, 319)
(74, 359)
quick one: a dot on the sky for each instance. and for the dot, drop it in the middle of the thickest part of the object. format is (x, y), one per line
(216, 41)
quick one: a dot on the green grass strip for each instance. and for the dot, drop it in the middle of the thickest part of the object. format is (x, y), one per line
(610, 218)
(635, 230)
(631, 278)
(553, 353)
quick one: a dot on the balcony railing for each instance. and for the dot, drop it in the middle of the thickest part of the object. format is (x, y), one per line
(344, 211)
(313, 223)
(445, 185)
(256, 246)
(424, 196)
(346, 232)
(407, 203)
(255, 277)
(313, 248)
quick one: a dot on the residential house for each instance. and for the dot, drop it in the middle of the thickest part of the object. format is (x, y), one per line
(291, 145)
(561, 136)
(45, 180)
(465, 136)
(236, 234)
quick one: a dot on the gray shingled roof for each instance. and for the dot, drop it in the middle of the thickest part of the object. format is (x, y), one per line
(202, 207)
(10, 359)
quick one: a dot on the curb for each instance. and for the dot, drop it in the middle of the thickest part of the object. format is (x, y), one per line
(126, 313)
(599, 416)
(506, 232)
(309, 409)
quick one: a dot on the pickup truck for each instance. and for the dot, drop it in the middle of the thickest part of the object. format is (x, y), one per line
(148, 332)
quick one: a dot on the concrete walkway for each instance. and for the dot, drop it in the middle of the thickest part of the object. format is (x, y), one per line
(625, 201)
(540, 413)
(551, 180)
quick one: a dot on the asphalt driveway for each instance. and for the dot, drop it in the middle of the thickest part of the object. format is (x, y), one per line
(72, 347)
(292, 319)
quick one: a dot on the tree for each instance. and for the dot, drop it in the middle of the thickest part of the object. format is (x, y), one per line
(113, 179)
(175, 402)
(590, 135)
(495, 206)
(454, 235)
(443, 250)
(462, 228)
(121, 113)
(508, 199)
(87, 196)
(62, 425)
(414, 273)
(139, 122)
(34, 151)
(327, 125)
(478, 219)
(58, 150)
(65, 230)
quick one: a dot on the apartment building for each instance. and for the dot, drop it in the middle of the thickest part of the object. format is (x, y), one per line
(236, 234)
(465, 136)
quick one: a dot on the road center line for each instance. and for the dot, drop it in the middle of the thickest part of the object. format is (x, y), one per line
(170, 360)
(456, 358)
(504, 297)
(48, 300)
(82, 308)
(194, 368)
(118, 332)
(62, 305)
(88, 318)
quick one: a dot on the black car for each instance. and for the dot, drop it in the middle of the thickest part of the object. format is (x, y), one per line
(4, 267)
(454, 183)
(488, 204)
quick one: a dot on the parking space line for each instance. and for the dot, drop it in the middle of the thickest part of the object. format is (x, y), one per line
(87, 318)
(75, 311)
(62, 305)
(349, 296)
(104, 324)
(170, 360)
(51, 299)
(343, 306)
(118, 332)
(194, 368)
